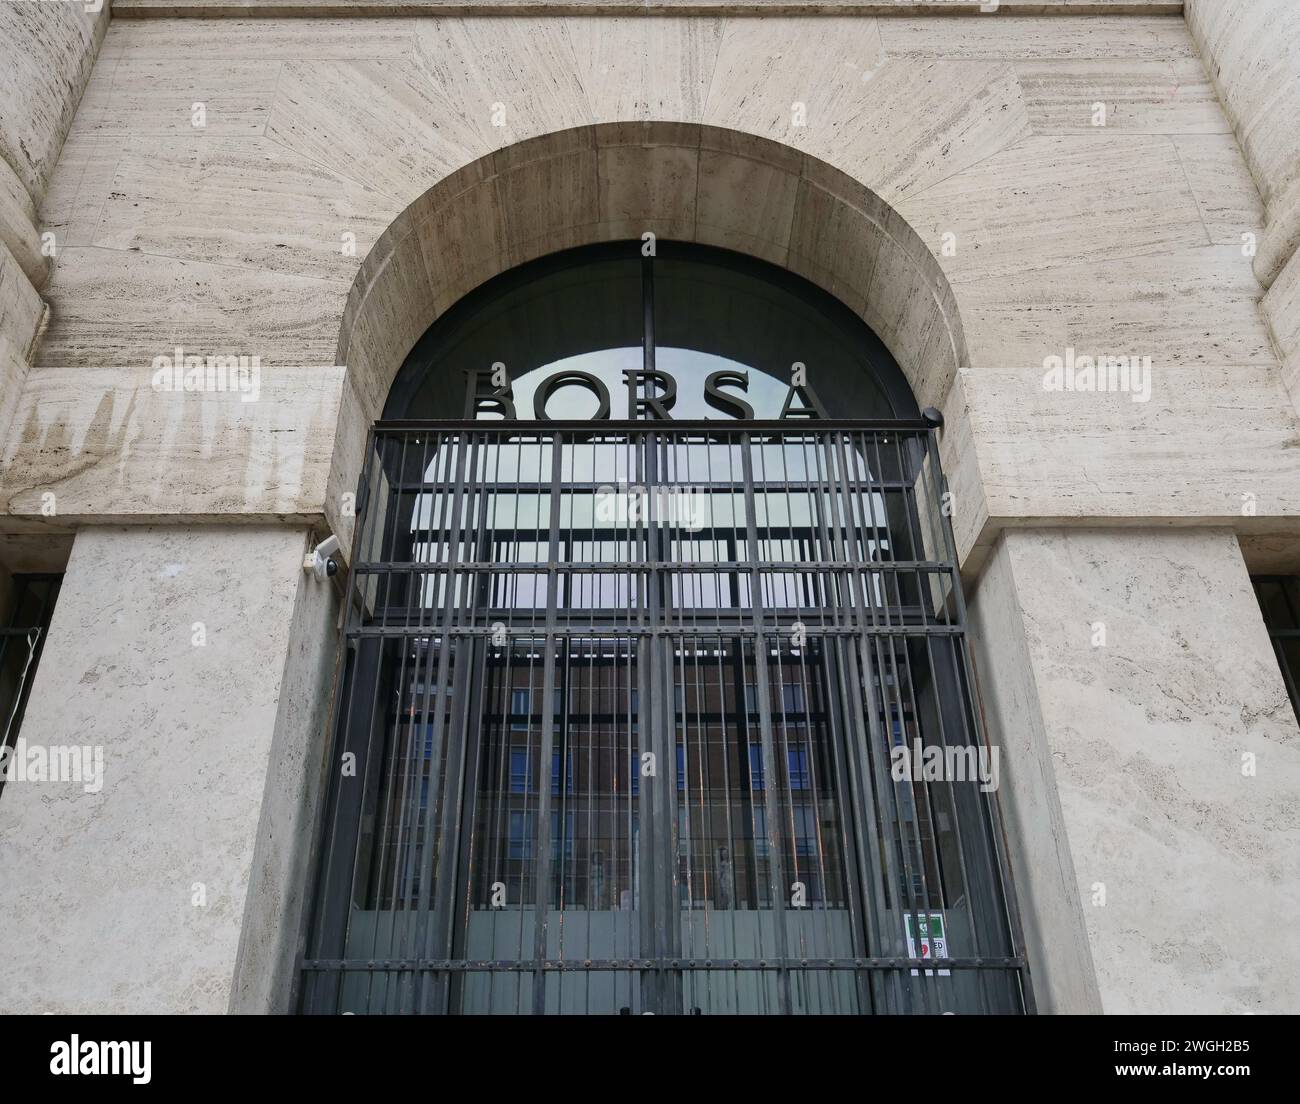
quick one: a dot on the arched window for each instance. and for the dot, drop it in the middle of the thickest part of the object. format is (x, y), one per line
(656, 695)
(687, 311)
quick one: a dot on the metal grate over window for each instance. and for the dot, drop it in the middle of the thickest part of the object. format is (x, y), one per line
(1279, 598)
(22, 636)
(618, 722)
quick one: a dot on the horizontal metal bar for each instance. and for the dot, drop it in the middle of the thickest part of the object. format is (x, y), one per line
(686, 620)
(637, 536)
(693, 568)
(691, 627)
(803, 427)
(349, 965)
(765, 486)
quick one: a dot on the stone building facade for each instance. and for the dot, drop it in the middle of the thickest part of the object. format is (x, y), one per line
(314, 185)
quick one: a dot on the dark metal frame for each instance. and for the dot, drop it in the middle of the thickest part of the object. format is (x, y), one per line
(27, 633)
(887, 630)
(425, 360)
(1284, 630)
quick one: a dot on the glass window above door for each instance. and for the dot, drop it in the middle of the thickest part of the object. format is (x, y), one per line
(689, 313)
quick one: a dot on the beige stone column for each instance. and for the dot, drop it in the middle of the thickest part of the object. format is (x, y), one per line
(198, 660)
(1151, 770)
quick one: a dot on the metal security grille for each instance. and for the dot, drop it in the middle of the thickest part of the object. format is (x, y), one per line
(621, 723)
(30, 605)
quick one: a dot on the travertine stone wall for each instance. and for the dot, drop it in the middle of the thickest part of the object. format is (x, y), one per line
(18, 227)
(280, 876)
(46, 54)
(1252, 49)
(133, 898)
(207, 456)
(1046, 882)
(1282, 307)
(1126, 717)
(977, 132)
(47, 51)
(21, 314)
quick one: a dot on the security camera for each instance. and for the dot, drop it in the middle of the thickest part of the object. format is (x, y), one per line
(318, 561)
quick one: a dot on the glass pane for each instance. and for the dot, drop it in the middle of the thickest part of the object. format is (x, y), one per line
(728, 795)
(592, 881)
(573, 314)
(583, 311)
(719, 312)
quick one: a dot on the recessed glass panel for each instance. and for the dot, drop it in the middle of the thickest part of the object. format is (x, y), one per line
(573, 314)
(575, 333)
(720, 312)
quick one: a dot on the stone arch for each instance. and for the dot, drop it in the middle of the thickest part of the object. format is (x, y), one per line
(611, 181)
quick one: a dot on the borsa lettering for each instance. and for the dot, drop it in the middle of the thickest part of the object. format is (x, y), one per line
(651, 395)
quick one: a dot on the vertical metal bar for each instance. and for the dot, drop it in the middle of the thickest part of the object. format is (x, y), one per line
(886, 651)
(543, 865)
(402, 784)
(776, 875)
(324, 932)
(992, 806)
(942, 701)
(431, 991)
(478, 588)
(864, 665)
(372, 776)
(863, 920)
(455, 701)
(853, 682)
